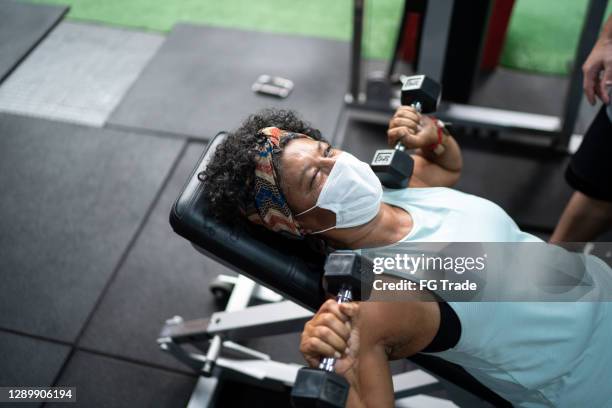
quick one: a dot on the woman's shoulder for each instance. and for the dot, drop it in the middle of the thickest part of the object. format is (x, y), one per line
(443, 199)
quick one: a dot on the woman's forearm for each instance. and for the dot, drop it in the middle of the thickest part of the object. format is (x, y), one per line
(450, 159)
(373, 385)
(401, 329)
(366, 335)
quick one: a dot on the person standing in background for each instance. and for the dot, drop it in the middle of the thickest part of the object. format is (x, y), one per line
(589, 211)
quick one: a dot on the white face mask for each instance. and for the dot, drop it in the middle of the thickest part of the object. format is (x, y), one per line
(352, 191)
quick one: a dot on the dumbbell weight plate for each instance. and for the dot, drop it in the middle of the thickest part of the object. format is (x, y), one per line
(320, 389)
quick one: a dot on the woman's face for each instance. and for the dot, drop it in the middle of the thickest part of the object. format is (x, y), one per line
(306, 164)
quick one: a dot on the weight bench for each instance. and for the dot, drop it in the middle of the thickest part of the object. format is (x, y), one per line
(285, 276)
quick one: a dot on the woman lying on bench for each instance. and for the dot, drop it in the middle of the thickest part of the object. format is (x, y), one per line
(279, 172)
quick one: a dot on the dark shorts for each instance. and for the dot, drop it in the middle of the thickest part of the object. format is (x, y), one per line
(590, 169)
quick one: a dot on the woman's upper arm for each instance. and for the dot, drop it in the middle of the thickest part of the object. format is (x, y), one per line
(404, 328)
(428, 174)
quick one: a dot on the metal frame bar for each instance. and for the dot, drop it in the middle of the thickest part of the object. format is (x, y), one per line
(245, 364)
(261, 320)
(560, 129)
(500, 119)
(354, 84)
(398, 42)
(436, 28)
(261, 292)
(204, 393)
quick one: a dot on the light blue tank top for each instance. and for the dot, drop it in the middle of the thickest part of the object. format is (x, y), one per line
(442, 214)
(533, 354)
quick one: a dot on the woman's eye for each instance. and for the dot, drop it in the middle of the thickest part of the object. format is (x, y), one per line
(328, 151)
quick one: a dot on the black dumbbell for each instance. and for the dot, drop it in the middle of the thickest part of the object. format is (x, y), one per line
(348, 277)
(394, 166)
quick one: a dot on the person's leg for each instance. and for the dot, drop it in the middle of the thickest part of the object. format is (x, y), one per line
(589, 173)
(583, 219)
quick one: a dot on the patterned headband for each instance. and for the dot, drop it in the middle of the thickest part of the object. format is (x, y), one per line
(270, 207)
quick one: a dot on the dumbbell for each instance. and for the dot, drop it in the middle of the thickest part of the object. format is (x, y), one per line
(394, 166)
(322, 387)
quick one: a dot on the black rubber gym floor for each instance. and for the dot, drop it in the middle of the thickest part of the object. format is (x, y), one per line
(22, 26)
(43, 363)
(161, 277)
(108, 382)
(199, 83)
(73, 198)
(89, 265)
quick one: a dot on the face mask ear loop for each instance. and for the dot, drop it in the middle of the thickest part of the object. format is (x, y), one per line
(305, 211)
(325, 230)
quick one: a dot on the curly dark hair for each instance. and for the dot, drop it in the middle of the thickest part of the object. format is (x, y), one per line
(229, 176)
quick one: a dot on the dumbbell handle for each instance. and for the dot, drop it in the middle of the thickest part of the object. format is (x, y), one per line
(416, 105)
(345, 295)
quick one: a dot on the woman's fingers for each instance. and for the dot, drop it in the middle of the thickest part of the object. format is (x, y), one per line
(326, 334)
(331, 306)
(590, 71)
(605, 83)
(314, 348)
(350, 309)
(341, 328)
(331, 338)
(404, 122)
(407, 112)
(403, 135)
(597, 72)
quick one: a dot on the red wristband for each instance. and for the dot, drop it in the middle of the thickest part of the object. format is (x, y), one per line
(434, 146)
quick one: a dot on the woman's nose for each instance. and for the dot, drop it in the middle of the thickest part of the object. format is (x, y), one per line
(327, 163)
